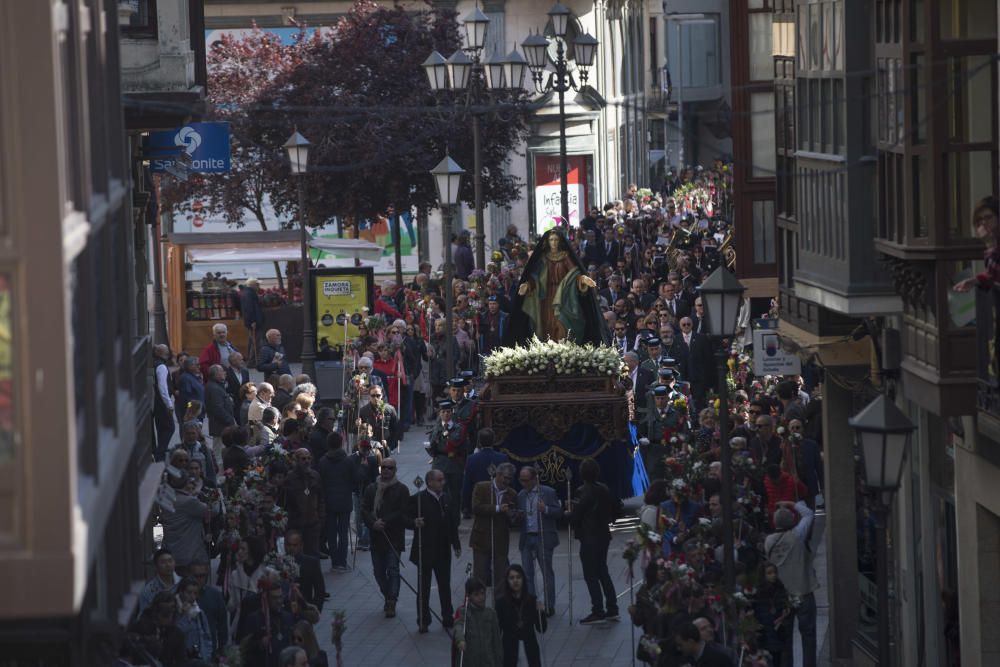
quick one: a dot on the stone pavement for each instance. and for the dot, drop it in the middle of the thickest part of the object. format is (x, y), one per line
(372, 639)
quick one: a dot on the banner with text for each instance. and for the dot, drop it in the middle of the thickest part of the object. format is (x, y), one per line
(340, 300)
(548, 195)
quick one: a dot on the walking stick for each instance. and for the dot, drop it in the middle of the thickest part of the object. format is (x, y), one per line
(492, 563)
(631, 603)
(541, 537)
(542, 567)
(569, 543)
(419, 482)
(465, 615)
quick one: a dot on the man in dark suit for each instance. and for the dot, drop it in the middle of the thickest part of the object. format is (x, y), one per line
(614, 290)
(693, 353)
(676, 303)
(642, 378)
(688, 641)
(609, 247)
(435, 537)
(310, 579)
(236, 376)
(590, 250)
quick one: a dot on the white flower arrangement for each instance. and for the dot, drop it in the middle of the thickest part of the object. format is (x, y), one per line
(564, 357)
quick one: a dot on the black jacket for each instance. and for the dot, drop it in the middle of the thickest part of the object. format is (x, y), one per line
(310, 580)
(234, 380)
(340, 477)
(316, 444)
(594, 511)
(218, 407)
(280, 399)
(385, 427)
(440, 532)
(395, 501)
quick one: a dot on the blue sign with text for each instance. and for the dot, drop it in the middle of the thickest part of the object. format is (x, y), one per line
(205, 145)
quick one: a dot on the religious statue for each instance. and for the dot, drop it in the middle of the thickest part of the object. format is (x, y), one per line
(556, 299)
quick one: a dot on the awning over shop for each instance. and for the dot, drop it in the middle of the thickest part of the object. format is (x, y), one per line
(282, 251)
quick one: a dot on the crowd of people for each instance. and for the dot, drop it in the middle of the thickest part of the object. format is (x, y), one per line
(265, 484)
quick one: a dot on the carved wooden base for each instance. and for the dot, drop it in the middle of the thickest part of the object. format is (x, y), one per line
(552, 405)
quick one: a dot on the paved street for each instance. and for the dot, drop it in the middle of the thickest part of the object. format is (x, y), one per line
(372, 639)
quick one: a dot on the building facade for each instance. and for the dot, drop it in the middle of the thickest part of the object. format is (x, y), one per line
(886, 132)
(78, 478)
(77, 483)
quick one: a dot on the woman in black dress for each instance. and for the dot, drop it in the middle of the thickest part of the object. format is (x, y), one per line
(520, 615)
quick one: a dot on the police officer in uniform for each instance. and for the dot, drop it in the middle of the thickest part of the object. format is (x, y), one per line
(449, 449)
(661, 421)
(464, 412)
(652, 354)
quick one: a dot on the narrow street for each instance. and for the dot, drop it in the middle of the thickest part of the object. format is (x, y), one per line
(372, 639)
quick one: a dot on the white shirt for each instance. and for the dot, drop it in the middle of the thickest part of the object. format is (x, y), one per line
(687, 339)
(161, 385)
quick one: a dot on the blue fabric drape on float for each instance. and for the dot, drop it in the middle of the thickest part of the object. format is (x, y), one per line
(526, 445)
(640, 478)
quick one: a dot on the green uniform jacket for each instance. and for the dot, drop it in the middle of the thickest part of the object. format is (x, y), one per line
(480, 631)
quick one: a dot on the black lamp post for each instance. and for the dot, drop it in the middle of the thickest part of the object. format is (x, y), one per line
(298, 158)
(448, 177)
(536, 49)
(883, 433)
(722, 294)
(478, 78)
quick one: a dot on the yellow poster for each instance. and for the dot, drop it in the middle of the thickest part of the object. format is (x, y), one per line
(341, 297)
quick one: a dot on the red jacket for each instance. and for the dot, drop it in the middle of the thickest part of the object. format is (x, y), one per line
(786, 488)
(210, 356)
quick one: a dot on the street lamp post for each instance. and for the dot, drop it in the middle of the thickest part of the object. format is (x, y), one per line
(722, 294)
(883, 433)
(560, 81)
(448, 178)
(298, 156)
(478, 78)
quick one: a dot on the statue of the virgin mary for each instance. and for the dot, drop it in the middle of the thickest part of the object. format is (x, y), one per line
(555, 298)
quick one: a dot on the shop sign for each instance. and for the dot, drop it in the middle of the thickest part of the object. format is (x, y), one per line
(769, 358)
(201, 147)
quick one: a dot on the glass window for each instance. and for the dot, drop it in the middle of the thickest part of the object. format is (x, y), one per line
(8, 404)
(968, 19)
(699, 40)
(838, 35)
(762, 134)
(918, 166)
(918, 112)
(883, 85)
(761, 57)
(917, 21)
(783, 39)
(815, 37)
(890, 102)
(970, 104)
(802, 43)
(763, 232)
(837, 113)
(142, 20)
(828, 39)
(899, 104)
(970, 178)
